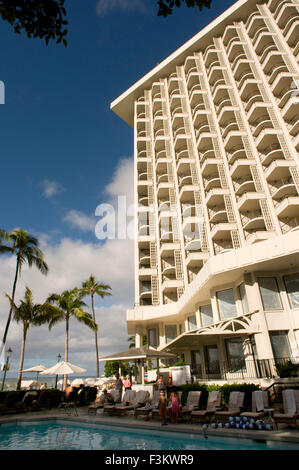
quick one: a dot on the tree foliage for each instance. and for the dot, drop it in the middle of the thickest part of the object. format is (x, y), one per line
(42, 19)
(166, 6)
(111, 368)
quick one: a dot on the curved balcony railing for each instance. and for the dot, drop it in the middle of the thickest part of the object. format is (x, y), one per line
(182, 154)
(248, 76)
(270, 48)
(289, 23)
(251, 99)
(216, 63)
(262, 29)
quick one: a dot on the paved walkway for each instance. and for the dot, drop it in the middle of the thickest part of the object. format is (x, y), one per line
(284, 433)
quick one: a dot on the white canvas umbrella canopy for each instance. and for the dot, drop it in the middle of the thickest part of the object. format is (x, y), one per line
(63, 368)
(77, 382)
(38, 369)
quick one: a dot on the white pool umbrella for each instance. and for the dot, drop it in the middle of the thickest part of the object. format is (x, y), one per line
(60, 382)
(63, 368)
(38, 369)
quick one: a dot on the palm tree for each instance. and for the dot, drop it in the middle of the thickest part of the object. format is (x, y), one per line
(25, 247)
(70, 304)
(132, 341)
(92, 287)
(30, 314)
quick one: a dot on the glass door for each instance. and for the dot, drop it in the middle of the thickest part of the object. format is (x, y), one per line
(212, 360)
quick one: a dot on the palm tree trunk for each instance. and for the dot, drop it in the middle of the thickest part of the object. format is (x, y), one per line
(25, 330)
(96, 338)
(10, 311)
(66, 351)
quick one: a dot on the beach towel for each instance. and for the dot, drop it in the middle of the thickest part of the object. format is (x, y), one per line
(289, 401)
(259, 401)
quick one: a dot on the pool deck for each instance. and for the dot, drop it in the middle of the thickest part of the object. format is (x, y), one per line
(283, 434)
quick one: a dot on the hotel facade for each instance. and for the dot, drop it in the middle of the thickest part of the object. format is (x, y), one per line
(217, 195)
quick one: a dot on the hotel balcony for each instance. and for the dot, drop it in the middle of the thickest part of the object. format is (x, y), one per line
(229, 126)
(234, 47)
(210, 165)
(196, 259)
(168, 268)
(144, 258)
(263, 39)
(244, 185)
(210, 55)
(204, 139)
(261, 123)
(144, 231)
(222, 230)
(192, 243)
(220, 90)
(243, 69)
(188, 209)
(279, 169)
(249, 201)
(254, 98)
(192, 78)
(200, 116)
(289, 103)
(230, 32)
(233, 139)
(173, 82)
(189, 221)
(164, 205)
(241, 168)
(254, 22)
(183, 166)
(169, 285)
(253, 221)
(217, 214)
(143, 203)
(272, 153)
(256, 111)
(216, 71)
(145, 273)
(214, 197)
(249, 87)
(163, 189)
(225, 101)
(258, 236)
(143, 156)
(271, 58)
(267, 138)
(236, 153)
(157, 102)
(223, 245)
(145, 293)
(167, 249)
(288, 207)
(180, 139)
(166, 236)
(283, 188)
(240, 61)
(283, 81)
(213, 181)
(285, 12)
(227, 113)
(291, 30)
(177, 117)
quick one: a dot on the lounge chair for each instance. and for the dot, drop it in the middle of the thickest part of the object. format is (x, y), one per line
(290, 400)
(128, 398)
(260, 401)
(213, 404)
(134, 402)
(148, 408)
(109, 408)
(192, 404)
(235, 403)
(11, 404)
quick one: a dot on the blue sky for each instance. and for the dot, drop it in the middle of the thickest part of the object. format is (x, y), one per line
(61, 146)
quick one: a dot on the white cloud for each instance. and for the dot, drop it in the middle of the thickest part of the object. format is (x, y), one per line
(71, 262)
(104, 6)
(80, 220)
(52, 188)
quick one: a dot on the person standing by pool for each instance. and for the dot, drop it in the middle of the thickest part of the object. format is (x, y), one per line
(119, 386)
(160, 383)
(163, 407)
(175, 406)
(127, 383)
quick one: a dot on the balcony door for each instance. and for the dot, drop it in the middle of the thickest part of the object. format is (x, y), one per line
(212, 360)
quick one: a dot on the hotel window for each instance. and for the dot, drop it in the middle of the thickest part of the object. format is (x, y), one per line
(292, 286)
(280, 344)
(192, 325)
(170, 333)
(243, 297)
(269, 293)
(180, 329)
(206, 313)
(235, 354)
(227, 303)
(152, 337)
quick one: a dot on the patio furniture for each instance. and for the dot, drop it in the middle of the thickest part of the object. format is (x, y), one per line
(260, 401)
(213, 404)
(110, 409)
(147, 409)
(192, 404)
(134, 402)
(11, 404)
(235, 403)
(290, 415)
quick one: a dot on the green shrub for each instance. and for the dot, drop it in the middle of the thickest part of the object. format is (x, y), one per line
(287, 369)
(225, 391)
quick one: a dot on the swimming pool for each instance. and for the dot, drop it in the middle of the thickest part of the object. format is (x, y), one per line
(66, 435)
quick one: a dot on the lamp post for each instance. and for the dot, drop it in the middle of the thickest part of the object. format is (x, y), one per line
(6, 366)
(58, 359)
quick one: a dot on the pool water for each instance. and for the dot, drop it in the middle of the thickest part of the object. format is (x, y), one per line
(65, 435)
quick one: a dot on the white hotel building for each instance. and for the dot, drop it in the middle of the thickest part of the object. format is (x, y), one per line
(217, 195)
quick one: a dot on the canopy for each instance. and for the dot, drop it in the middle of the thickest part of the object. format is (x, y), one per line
(138, 353)
(77, 382)
(63, 368)
(29, 383)
(38, 368)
